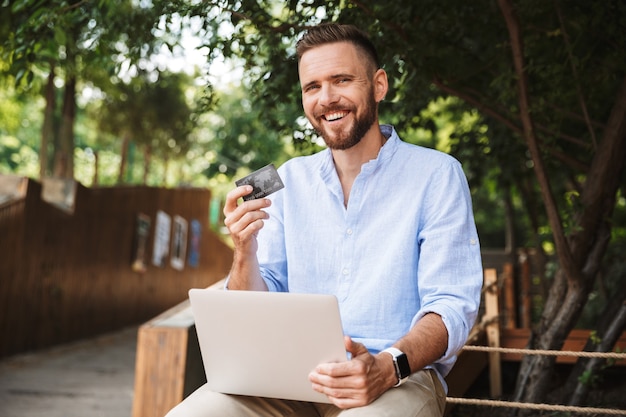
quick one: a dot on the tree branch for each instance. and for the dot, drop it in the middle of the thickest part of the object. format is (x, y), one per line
(602, 182)
(563, 251)
(479, 105)
(489, 111)
(579, 91)
(594, 365)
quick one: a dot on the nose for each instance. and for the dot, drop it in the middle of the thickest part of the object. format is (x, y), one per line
(328, 95)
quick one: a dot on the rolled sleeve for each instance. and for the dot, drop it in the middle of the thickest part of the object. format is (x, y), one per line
(450, 267)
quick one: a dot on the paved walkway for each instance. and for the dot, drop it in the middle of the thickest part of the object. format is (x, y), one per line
(93, 378)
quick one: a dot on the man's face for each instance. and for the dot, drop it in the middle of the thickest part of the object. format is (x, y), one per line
(339, 94)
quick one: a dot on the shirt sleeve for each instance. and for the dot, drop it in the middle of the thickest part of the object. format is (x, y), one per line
(450, 266)
(272, 253)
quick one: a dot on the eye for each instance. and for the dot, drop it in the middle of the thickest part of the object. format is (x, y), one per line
(311, 87)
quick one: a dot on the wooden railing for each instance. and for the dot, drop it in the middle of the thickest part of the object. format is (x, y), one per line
(66, 273)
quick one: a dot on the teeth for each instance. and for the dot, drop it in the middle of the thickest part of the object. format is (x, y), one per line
(334, 116)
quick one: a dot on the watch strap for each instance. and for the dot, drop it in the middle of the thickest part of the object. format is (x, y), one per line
(400, 363)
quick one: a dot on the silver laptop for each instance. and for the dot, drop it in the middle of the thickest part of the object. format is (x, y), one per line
(265, 344)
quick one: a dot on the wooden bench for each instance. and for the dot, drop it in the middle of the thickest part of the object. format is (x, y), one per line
(168, 365)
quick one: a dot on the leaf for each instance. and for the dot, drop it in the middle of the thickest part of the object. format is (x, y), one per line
(59, 36)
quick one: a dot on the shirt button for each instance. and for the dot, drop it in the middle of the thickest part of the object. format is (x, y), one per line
(345, 272)
(473, 241)
(349, 231)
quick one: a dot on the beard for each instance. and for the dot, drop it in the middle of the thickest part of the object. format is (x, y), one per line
(361, 125)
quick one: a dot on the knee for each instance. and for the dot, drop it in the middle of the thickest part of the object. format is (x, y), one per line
(174, 412)
(202, 403)
(195, 405)
(180, 410)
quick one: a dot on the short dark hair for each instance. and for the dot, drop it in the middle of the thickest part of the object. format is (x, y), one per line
(326, 33)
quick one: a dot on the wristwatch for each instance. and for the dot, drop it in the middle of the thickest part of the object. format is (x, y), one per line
(401, 363)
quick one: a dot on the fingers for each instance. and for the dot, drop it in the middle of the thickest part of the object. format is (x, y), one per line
(355, 349)
(346, 391)
(342, 398)
(233, 195)
(328, 371)
(358, 365)
(350, 383)
(246, 219)
(234, 212)
(245, 215)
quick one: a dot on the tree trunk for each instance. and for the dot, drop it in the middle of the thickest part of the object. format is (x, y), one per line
(567, 297)
(509, 224)
(579, 255)
(64, 155)
(96, 164)
(609, 329)
(146, 163)
(123, 157)
(166, 170)
(47, 130)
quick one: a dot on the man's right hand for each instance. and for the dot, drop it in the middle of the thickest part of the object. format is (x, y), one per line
(244, 220)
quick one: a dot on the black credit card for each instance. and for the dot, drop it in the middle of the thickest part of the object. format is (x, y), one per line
(264, 182)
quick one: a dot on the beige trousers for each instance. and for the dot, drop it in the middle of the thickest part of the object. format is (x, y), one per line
(422, 395)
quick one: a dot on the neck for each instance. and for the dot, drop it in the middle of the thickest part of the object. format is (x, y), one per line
(348, 162)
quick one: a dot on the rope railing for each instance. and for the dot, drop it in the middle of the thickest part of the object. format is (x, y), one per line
(538, 406)
(606, 355)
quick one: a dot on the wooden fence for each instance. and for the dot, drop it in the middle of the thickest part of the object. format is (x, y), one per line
(66, 274)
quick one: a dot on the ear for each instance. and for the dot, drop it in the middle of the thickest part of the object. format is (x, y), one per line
(381, 85)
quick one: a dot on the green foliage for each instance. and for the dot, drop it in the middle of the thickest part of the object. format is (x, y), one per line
(589, 378)
(430, 49)
(76, 41)
(155, 114)
(52, 32)
(240, 137)
(16, 157)
(611, 277)
(20, 118)
(575, 54)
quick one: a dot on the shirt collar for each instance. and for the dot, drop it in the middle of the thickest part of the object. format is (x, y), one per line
(385, 153)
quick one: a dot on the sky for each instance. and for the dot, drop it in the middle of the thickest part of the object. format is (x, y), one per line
(193, 55)
(220, 72)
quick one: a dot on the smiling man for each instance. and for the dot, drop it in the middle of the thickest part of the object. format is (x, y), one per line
(385, 226)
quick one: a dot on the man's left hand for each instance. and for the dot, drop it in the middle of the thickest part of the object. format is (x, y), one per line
(356, 382)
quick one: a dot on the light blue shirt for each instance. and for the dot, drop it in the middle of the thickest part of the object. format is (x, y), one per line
(405, 245)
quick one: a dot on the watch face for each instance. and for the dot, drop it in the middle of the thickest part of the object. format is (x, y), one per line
(403, 366)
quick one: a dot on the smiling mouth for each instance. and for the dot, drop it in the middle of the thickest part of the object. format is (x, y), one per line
(337, 115)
